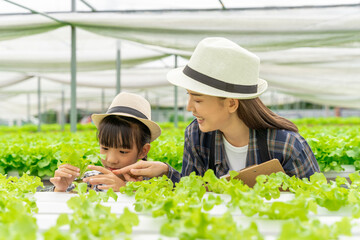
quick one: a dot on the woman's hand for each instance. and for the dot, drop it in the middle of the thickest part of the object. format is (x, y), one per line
(142, 169)
(64, 176)
(107, 179)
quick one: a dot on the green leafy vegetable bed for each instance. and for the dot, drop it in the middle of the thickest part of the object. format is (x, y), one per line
(187, 208)
(334, 146)
(335, 142)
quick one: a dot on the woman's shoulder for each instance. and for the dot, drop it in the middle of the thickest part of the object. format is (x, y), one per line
(286, 136)
(194, 125)
(192, 129)
(283, 132)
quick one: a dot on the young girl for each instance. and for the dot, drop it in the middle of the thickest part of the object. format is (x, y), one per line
(233, 129)
(124, 135)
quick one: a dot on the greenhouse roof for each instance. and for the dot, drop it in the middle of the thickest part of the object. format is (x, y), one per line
(306, 51)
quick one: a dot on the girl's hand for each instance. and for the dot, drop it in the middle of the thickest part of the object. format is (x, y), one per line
(64, 176)
(108, 179)
(142, 169)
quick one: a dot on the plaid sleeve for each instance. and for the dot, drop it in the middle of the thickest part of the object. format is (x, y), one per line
(192, 161)
(305, 163)
(186, 164)
(94, 187)
(299, 158)
(173, 175)
(52, 188)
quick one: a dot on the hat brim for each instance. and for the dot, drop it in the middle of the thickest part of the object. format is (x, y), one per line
(154, 128)
(178, 78)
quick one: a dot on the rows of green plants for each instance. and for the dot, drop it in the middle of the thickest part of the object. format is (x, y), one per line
(335, 142)
(89, 220)
(187, 207)
(333, 145)
(355, 121)
(84, 127)
(30, 128)
(92, 220)
(17, 207)
(39, 153)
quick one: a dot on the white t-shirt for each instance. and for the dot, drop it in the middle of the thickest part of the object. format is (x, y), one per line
(236, 156)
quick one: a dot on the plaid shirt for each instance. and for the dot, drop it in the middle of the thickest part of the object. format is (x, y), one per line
(291, 149)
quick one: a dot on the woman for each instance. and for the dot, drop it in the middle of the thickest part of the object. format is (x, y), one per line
(233, 129)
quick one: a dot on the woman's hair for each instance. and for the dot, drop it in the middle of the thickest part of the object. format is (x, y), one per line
(122, 132)
(256, 115)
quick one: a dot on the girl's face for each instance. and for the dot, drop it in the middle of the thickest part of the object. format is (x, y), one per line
(117, 158)
(209, 111)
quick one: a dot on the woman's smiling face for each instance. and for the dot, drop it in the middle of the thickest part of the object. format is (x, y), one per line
(208, 110)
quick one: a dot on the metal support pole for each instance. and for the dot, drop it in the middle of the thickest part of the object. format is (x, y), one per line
(62, 117)
(37, 12)
(302, 105)
(222, 5)
(118, 67)
(73, 111)
(39, 104)
(297, 107)
(28, 107)
(45, 110)
(87, 107)
(176, 97)
(103, 100)
(327, 110)
(286, 104)
(88, 5)
(73, 5)
(157, 110)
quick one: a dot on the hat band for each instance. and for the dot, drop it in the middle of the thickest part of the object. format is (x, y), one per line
(128, 110)
(215, 83)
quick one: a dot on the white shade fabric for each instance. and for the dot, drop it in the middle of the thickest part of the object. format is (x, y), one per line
(310, 53)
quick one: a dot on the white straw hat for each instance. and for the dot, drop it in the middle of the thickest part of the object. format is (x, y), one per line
(220, 67)
(131, 105)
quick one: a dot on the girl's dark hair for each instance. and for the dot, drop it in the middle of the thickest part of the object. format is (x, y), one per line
(256, 115)
(122, 132)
